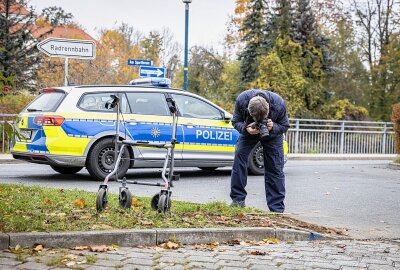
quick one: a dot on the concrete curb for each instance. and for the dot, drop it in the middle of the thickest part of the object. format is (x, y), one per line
(154, 237)
(394, 166)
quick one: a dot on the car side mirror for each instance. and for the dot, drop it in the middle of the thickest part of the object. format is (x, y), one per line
(227, 117)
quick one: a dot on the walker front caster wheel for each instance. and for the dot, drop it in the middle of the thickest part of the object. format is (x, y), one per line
(101, 199)
(125, 198)
(164, 203)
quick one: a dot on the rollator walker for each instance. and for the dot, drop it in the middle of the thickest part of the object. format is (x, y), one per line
(160, 201)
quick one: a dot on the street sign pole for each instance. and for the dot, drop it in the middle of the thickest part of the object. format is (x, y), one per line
(66, 72)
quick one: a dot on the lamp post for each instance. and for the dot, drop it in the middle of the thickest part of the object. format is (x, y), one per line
(185, 64)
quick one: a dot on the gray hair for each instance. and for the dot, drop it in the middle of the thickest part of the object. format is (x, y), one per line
(258, 108)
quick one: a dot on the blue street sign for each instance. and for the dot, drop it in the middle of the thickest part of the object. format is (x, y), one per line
(158, 72)
(137, 62)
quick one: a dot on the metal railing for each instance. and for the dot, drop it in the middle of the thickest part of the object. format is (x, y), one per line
(7, 132)
(307, 136)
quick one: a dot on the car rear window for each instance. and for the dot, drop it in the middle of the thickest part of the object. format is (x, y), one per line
(46, 102)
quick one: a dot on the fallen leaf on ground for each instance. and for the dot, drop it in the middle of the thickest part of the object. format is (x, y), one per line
(47, 201)
(234, 242)
(201, 247)
(170, 245)
(71, 263)
(241, 215)
(102, 248)
(38, 248)
(70, 257)
(80, 248)
(214, 245)
(136, 203)
(257, 252)
(146, 222)
(80, 203)
(271, 240)
(85, 217)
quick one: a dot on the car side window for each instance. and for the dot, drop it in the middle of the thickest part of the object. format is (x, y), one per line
(148, 103)
(193, 107)
(95, 102)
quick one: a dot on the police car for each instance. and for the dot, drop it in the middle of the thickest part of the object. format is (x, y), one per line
(70, 128)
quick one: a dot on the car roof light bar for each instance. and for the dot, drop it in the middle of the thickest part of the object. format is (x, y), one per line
(157, 82)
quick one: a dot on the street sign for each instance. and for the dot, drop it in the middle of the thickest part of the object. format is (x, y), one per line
(137, 62)
(158, 72)
(68, 48)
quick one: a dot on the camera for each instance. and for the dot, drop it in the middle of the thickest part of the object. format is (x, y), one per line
(262, 127)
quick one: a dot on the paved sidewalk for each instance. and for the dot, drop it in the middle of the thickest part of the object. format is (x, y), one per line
(339, 254)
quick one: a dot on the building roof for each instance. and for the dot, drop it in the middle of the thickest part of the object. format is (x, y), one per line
(15, 8)
(66, 31)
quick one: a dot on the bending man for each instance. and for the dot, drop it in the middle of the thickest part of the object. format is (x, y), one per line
(260, 116)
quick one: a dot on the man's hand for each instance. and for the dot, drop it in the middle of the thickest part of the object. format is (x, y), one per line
(270, 124)
(252, 130)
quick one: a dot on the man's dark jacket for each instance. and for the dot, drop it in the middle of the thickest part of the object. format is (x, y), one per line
(277, 112)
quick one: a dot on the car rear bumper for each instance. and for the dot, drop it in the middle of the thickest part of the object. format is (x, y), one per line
(49, 159)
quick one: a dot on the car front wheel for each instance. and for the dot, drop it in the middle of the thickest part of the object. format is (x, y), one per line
(101, 160)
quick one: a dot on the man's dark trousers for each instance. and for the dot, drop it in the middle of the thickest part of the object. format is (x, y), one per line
(273, 166)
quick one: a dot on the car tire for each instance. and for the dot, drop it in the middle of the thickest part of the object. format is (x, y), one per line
(66, 170)
(256, 160)
(100, 161)
(208, 168)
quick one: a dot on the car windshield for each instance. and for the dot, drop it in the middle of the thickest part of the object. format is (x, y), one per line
(45, 102)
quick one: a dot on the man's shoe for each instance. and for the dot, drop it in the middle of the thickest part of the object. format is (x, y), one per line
(238, 204)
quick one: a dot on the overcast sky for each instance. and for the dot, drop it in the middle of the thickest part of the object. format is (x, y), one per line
(207, 23)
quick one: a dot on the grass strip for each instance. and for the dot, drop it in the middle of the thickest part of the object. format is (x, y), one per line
(42, 209)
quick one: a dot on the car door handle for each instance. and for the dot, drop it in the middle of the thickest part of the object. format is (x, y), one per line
(189, 125)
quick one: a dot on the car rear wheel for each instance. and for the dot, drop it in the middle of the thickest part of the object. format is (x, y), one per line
(256, 160)
(66, 170)
(101, 160)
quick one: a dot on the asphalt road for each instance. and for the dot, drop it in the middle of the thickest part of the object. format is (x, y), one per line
(361, 196)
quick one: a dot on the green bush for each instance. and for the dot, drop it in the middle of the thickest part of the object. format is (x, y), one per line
(396, 123)
(343, 109)
(14, 104)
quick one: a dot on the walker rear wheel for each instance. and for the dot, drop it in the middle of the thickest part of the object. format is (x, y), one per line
(101, 199)
(125, 198)
(154, 201)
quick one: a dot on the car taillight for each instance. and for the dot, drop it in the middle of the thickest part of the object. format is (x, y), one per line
(49, 120)
(49, 90)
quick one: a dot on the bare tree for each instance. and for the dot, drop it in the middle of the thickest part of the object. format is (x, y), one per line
(170, 52)
(376, 21)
